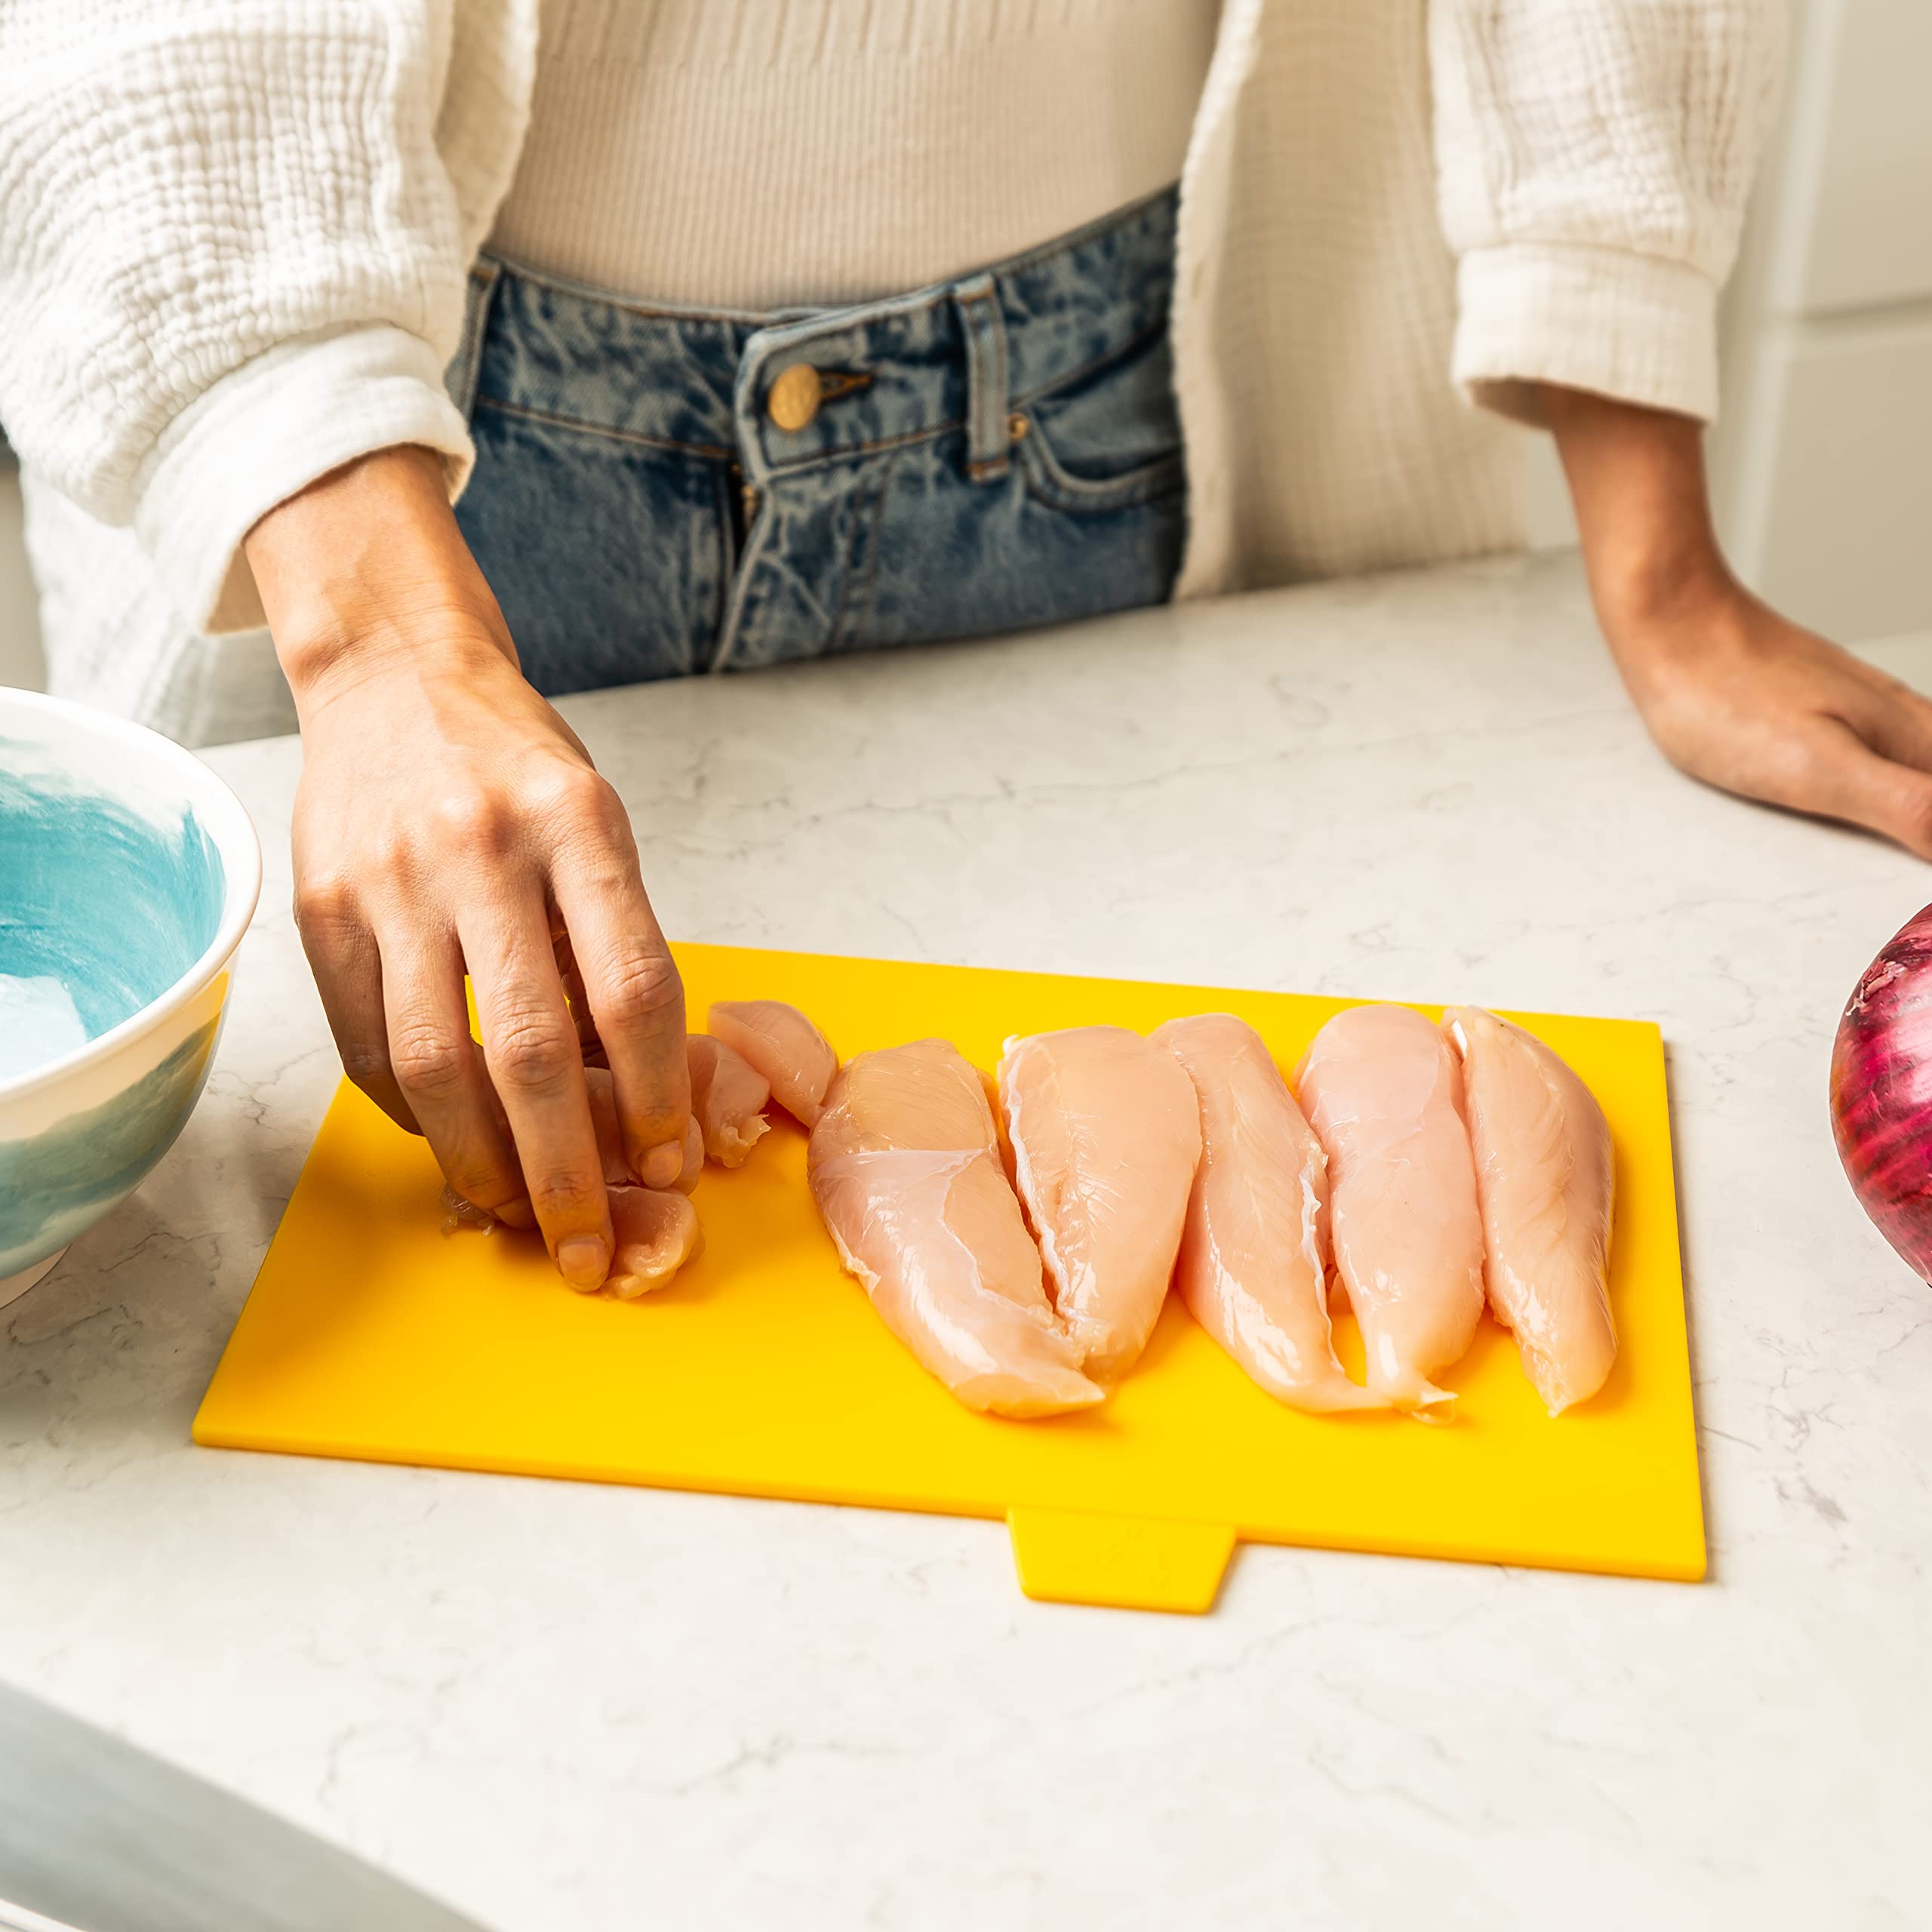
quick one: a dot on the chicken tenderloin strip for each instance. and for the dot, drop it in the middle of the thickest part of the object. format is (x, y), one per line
(1384, 1095)
(784, 1046)
(1106, 1129)
(1545, 1179)
(1254, 1253)
(904, 1164)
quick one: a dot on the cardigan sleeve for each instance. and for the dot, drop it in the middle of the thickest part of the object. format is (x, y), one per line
(232, 253)
(1592, 163)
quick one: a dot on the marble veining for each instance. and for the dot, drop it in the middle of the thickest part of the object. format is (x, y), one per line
(564, 1706)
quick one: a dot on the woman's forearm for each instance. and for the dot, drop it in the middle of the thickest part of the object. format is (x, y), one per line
(1637, 480)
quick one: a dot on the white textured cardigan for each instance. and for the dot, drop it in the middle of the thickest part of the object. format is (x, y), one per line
(234, 234)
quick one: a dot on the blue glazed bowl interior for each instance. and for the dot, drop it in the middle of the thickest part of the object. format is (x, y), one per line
(103, 909)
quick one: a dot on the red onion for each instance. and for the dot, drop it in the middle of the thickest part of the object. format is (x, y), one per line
(1882, 1091)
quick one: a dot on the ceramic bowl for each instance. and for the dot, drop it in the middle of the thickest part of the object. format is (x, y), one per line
(128, 873)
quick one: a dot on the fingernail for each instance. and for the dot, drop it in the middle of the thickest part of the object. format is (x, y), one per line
(517, 1213)
(662, 1165)
(583, 1261)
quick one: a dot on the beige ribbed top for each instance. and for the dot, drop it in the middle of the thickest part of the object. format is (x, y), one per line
(756, 153)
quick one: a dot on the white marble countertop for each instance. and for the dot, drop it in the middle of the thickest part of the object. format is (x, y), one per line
(566, 1708)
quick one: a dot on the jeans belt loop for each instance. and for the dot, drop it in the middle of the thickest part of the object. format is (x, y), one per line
(989, 443)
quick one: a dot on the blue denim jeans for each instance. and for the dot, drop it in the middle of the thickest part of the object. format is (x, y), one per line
(660, 490)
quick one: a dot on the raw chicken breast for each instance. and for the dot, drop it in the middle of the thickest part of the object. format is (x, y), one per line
(1544, 1181)
(784, 1046)
(1254, 1253)
(1106, 1134)
(905, 1167)
(1384, 1095)
(656, 1233)
(610, 1139)
(461, 1216)
(728, 1095)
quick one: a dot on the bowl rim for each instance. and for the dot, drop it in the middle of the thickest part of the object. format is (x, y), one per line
(227, 822)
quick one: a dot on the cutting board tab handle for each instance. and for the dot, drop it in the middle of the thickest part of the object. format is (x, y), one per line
(1126, 1562)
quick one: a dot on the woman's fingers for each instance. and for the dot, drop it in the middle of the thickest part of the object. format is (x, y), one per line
(631, 985)
(1896, 722)
(588, 1044)
(1849, 780)
(392, 1024)
(530, 1048)
(437, 1066)
(343, 956)
(1802, 724)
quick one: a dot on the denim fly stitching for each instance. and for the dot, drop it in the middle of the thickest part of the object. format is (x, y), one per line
(844, 633)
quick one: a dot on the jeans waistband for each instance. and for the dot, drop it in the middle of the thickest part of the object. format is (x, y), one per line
(961, 354)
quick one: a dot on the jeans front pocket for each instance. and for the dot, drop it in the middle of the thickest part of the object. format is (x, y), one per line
(1108, 438)
(1091, 517)
(947, 557)
(1060, 488)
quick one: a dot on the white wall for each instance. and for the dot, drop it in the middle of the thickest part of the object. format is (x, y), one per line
(19, 634)
(1549, 521)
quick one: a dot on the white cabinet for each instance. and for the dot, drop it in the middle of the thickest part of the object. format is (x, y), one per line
(1824, 454)
(1860, 211)
(1840, 514)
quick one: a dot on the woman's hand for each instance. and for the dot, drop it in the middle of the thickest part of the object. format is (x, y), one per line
(449, 819)
(1733, 693)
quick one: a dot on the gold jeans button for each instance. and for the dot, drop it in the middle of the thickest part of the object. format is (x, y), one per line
(793, 399)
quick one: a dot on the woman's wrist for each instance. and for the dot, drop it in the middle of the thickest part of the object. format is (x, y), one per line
(1636, 478)
(366, 569)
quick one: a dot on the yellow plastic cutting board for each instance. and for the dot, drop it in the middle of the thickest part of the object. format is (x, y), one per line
(762, 1370)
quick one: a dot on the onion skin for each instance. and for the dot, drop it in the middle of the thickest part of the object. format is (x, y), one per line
(1882, 1092)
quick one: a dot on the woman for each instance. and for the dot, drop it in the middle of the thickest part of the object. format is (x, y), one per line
(806, 325)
